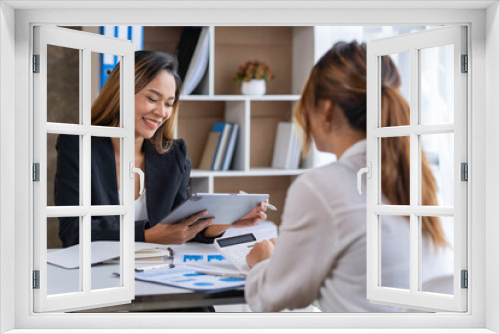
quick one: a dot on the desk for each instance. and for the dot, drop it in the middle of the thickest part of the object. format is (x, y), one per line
(151, 296)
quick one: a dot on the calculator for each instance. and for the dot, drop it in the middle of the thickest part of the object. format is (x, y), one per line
(235, 250)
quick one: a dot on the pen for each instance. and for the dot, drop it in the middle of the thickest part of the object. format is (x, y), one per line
(268, 205)
(168, 265)
(221, 275)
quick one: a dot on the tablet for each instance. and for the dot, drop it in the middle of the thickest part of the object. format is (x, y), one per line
(226, 208)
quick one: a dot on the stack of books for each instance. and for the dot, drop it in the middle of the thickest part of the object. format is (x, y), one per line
(220, 146)
(286, 147)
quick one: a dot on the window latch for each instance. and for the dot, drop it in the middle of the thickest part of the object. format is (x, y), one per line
(368, 171)
(139, 171)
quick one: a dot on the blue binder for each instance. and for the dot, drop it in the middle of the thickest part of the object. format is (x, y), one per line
(108, 61)
(217, 127)
(132, 33)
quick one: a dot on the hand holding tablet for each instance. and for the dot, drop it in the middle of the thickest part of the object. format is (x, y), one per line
(226, 208)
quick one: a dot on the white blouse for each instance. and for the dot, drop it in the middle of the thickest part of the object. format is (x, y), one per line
(320, 253)
(141, 209)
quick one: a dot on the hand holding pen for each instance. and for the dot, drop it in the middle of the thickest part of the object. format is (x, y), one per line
(251, 219)
(266, 203)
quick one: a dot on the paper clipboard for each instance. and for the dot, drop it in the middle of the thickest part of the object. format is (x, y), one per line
(226, 208)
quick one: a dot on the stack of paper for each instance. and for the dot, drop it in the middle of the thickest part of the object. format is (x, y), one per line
(103, 251)
(189, 278)
(147, 256)
(286, 147)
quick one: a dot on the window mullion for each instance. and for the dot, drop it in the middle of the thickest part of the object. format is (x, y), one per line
(96, 210)
(80, 130)
(397, 210)
(85, 166)
(127, 154)
(414, 168)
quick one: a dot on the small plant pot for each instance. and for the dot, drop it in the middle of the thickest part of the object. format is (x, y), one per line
(253, 87)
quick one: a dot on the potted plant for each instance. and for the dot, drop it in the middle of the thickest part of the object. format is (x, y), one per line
(253, 76)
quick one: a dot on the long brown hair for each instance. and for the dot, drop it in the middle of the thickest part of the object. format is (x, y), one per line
(340, 76)
(148, 64)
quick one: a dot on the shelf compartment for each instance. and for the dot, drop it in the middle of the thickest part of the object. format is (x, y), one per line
(264, 119)
(202, 185)
(236, 45)
(164, 39)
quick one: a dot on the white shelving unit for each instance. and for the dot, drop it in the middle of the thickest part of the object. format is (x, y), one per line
(289, 51)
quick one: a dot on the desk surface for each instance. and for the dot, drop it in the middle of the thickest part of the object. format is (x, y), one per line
(151, 296)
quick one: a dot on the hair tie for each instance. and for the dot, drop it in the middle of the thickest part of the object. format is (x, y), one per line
(384, 87)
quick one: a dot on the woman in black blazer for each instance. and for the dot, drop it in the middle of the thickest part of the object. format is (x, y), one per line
(163, 159)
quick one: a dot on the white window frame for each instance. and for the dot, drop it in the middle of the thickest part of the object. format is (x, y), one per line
(85, 43)
(484, 103)
(415, 296)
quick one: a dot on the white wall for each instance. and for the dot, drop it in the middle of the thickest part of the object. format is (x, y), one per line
(492, 147)
(7, 186)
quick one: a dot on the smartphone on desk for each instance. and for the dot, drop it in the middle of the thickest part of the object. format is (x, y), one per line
(235, 250)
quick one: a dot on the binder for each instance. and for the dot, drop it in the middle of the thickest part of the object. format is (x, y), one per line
(108, 61)
(132, 33)
(209, 151)
(136, 34)
(186, 48)
(286, 147)
(233, 139)
(222, 147)
(198, 65)
(122, 32)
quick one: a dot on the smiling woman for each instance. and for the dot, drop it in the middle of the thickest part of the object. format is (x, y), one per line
(163, 159)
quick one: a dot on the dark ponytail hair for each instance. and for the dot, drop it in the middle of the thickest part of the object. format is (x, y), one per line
(340, 76)
(148, 64)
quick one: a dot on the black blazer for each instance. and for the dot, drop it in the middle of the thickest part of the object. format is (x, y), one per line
(167, 184)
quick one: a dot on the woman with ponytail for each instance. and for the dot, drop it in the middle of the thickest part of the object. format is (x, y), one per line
(321, 250)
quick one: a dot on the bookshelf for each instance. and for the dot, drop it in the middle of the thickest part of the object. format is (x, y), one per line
(289, 51)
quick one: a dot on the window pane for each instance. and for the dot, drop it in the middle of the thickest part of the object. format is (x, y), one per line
(63, 85)
(105, 108)
(62, 280)
(108, 229)
(106, 170)
(436, 85)
(438, 158)
(395, 171)
(63, 170)
(392, 94)
(53, 240)
(437, 257)
(395, 251)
